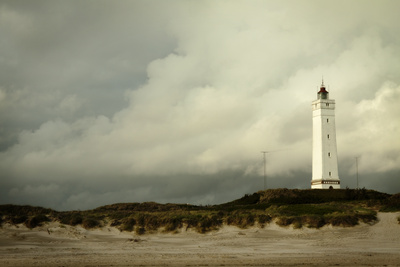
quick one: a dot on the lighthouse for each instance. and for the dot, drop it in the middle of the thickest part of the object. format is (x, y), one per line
(324, 152)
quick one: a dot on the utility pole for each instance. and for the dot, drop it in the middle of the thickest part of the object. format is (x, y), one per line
(265, 164)
(265, 169)
(357, 170)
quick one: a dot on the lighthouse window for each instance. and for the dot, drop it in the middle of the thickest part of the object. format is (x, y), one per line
(327, 120)
(327, 104)
(329, 154)
(329, 137)
(330, 173)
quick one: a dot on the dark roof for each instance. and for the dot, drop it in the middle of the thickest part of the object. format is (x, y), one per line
(322, 90)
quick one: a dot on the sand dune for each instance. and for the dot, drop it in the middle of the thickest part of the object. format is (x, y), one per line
(59, 245)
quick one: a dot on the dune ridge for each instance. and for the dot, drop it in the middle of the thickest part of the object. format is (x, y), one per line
(54, 244)
(276, 227)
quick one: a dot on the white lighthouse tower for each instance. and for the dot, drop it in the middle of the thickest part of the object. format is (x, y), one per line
(324, 156)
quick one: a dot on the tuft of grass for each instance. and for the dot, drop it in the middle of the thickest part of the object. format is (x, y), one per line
(242, 219)
(307, 209)
(314, 221)
(36, 221)
(298, 223)
(299, 208)
(149, 221)
(191, 220)
(285, 221)
(263, 219)
(139, 230)
(115, 223)
(208, 223)
(70, 218)
(173, 223)
(23, 210)
(368, 218)
(339, 219)
(18, 219)
(391, 204)
(90, 222)
(127, 224)
(314, 196)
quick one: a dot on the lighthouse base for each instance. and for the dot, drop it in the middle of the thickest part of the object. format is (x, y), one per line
(325, 184)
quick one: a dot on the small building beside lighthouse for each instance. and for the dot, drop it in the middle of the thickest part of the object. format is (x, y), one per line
(324, 152)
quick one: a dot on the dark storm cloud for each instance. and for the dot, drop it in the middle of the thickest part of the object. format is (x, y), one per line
(71, 59)
(104, 102)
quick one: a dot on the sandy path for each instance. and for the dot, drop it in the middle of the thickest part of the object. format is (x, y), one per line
(377, 245)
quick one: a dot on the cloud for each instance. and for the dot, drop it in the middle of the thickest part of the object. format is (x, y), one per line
(375, 125)
(53, 50)
(181, 111)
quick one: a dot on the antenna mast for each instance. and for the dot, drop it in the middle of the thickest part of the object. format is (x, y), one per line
(265, 164)
(265, 169)
(357, 171)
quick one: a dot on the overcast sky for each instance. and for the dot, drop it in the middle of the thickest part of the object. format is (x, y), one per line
(173, 101)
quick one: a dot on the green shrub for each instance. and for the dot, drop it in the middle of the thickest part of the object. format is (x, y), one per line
(128, 224)
(311, 221)
(392, 204)
(343, 220)
(249, 220)
(18, 219)
(115, 223)
(139, 230)
(308, 209)
(191, 220)
(242, 219)
(314, 221)
(263, 218)
(297, 223)
(24, 210)
(311, 208)
(152, 222)
(171, 224)
(36, 220)
(208, 223)
(308, 196)
(284, 221)
(75, 219)
(118, 215)
(367, 218)
(221, 214)
(70, 218)
(149, 221)
(89, 223)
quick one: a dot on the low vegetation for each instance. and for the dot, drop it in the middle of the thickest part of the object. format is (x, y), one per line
(298, 208)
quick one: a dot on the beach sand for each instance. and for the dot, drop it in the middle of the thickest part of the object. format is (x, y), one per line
(61, 245)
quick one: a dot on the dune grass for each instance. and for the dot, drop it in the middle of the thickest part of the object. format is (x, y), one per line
(298, 208)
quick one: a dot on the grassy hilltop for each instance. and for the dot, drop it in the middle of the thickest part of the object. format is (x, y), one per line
(300, 208)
